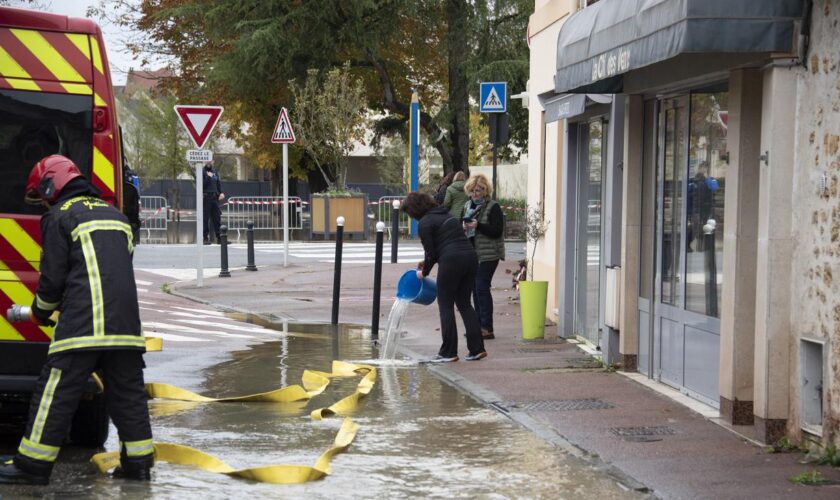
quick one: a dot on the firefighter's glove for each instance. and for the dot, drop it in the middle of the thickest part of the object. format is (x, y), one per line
(40, 317)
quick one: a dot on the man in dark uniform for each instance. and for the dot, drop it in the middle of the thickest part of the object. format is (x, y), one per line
(212, 196)
(87, 275)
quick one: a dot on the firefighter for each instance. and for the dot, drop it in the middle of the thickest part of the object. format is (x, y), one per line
(87, 275)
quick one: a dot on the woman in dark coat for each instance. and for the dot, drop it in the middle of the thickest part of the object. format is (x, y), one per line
(445, 244)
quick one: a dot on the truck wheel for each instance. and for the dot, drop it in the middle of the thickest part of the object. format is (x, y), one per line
(90, 423)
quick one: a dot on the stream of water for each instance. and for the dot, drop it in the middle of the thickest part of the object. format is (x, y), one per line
(388, 349)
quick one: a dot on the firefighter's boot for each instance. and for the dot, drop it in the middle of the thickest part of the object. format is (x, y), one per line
(136, 469)
(12, 474)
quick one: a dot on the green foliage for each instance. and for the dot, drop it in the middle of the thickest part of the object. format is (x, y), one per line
(812, 478)
(536, 226)
(824, 455)
(784, 445)
(330, 112)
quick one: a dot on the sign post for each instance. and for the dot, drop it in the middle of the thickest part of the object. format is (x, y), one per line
(199, 121)
(493, 100)
(285, 135)
(414, 142)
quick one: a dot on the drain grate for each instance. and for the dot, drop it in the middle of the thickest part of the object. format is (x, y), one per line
(556, 405)
(643, 432)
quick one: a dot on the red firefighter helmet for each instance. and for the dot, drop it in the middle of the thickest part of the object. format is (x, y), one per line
(48, 177)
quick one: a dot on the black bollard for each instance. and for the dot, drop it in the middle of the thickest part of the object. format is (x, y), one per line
(395, 229)
(377, 279)
(251, 266)
(224, 272)
(339, 243)
(711, 268)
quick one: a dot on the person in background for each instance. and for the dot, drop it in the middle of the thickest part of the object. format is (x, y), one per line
(444, 244)
(212, 196)
(484, 224)
(87, 275)
(440, 193)
(455, 195)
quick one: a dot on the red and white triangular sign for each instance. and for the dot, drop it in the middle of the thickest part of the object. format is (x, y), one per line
(283, 133)
(199, 121)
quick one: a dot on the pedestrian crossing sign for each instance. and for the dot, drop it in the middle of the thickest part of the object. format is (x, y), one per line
(283, 133)
(493, 97)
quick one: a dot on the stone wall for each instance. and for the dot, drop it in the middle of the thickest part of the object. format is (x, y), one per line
(816, 214)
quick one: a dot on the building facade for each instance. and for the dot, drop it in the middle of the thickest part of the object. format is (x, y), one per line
(687, 153)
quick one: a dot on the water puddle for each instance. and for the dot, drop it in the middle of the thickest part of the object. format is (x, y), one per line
(418, 436)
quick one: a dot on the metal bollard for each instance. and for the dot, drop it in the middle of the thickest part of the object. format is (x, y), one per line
(339, 243)
(377, 279)
(395, 229)
(224, 272)
(251, 266)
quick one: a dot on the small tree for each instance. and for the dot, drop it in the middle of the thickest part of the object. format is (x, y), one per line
(330, 119)
(535, 228)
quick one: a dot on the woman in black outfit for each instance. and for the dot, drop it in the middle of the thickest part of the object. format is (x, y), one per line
(445, 244)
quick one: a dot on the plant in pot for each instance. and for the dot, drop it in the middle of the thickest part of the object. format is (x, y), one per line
(330, 122)
(533, 294)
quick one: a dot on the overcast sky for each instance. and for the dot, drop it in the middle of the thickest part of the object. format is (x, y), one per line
(119, 59)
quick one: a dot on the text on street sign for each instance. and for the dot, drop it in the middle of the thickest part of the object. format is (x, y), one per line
(199, 155)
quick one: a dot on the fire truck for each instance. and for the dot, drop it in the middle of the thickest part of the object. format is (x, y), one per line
(55, 98)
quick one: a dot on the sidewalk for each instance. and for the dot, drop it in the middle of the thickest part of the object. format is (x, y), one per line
(646, 440)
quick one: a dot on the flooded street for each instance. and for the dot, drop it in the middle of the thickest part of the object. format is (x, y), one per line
(418, 436)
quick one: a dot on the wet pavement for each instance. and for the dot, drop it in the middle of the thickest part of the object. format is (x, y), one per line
(418, 437)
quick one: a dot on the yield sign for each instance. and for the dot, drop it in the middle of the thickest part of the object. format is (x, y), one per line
(283, 133)
(199, 121)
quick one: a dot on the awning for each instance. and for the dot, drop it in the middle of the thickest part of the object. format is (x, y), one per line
(600, 43)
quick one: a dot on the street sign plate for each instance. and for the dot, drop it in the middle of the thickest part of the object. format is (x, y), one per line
(283, 132)
(199, 155)
(199, 121)
(493, 97)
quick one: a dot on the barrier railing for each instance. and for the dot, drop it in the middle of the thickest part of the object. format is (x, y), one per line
(266, 212)
(154, 219)
(385, 209)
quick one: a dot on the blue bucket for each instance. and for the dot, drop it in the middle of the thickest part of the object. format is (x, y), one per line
(418, 291)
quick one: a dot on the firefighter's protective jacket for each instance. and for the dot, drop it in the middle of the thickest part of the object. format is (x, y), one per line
(87, 274)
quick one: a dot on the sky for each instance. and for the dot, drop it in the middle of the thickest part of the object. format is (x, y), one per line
(119, 58)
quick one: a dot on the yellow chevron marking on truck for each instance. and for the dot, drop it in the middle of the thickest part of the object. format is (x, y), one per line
(98, 101)
(21, 241)
(9, 68)
(48, 55)
(20, 84)
(97, 57)
(19, 294)
(77, 88)
(81, 42)
(103, 168)
(7, 330)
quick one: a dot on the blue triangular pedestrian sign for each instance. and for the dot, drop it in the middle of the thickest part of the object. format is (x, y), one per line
(493, 97)
(283, 132)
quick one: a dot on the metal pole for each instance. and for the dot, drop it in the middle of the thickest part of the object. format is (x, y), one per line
(494, 167)
(285, 205)
(711, 267)
(224, 272)
(339, 242)
(377, 279)
(251, 265)
(199, 223)
(415, 152)
(395, 229)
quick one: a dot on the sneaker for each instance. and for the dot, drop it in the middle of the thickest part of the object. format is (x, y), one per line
(11, 474)
(443, 359)
(486, 335)
(476, 357)
(142, 474)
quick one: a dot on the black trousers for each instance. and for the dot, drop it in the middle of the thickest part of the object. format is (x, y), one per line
(61, 384)
(482, 298)
(455, 282)
(213, 213)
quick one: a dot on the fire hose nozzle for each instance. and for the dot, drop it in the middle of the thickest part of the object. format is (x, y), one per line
(18, 313)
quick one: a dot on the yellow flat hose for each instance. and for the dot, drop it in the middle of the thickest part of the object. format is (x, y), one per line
(154, 344)
(315, 384)
(349, 404)
(276, 474)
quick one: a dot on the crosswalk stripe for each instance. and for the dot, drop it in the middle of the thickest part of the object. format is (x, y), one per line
(177, 338)
(201, 311)
(187, 329)
(143, 282)
(252, 329)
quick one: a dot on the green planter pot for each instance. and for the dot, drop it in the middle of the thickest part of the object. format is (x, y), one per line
(533, 296)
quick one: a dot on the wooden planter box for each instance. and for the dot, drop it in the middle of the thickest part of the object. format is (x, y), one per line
(325, 209)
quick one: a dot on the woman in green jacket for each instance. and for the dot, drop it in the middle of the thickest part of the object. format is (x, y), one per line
(456, 197)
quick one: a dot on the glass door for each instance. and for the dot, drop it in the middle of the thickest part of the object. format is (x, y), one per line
(588, 250)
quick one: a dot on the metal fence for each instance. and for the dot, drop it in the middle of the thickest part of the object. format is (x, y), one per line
(266, 212)
(154, 219)
(386, 209)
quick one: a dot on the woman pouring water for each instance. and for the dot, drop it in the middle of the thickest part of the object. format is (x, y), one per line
(445, 244)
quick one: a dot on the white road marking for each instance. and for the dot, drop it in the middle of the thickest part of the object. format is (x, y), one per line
(142, 282)
(171, 337)
(253, 329)
(147, 303)
(201, 311)
(187, 329)
(143, 290)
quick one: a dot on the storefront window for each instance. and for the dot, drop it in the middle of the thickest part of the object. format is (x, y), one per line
(707, 164)
(672, 181)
